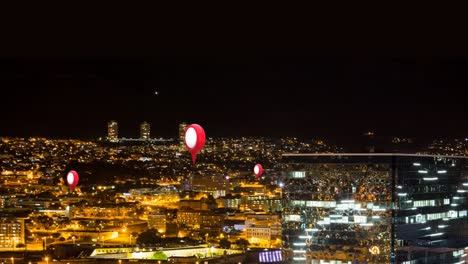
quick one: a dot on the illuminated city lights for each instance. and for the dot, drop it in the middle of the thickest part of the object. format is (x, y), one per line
(310, 156)
(326, 202)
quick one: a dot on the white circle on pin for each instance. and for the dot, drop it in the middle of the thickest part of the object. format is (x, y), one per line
(191, 137)
(70, 178)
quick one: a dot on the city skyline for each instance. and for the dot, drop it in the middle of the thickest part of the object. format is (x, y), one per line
(342, 77)
(312, 201)
(253, 95)
(125, 140)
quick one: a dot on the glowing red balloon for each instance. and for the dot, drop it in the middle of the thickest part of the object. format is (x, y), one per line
(72, 179)
(194, 140)
(258, 170)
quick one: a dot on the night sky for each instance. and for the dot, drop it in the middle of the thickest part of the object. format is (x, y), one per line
(71, 88)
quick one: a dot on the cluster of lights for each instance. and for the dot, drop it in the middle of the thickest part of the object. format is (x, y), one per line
(374, 250)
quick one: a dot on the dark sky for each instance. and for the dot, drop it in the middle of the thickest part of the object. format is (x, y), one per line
(236, 94)
(71, 85)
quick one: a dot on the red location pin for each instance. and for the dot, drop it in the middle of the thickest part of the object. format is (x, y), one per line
(258, 170)
(72, 179)
(194, 140)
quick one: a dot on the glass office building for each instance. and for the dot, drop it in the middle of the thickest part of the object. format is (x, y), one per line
(374, 208)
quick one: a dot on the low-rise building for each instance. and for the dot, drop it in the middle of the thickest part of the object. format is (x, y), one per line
(211, 221)
(157, 221)
(259, 235)
(189, 218)
(11, 232)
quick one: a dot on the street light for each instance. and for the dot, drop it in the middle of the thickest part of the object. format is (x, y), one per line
(47, 260)
(12, 260)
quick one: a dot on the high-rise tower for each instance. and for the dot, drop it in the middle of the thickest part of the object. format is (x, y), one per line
(145, 130)
(182, 127)
(112, 130)
(403, 207)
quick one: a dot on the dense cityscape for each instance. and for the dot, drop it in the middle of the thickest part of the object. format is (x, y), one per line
(143, 199)
(156, 135)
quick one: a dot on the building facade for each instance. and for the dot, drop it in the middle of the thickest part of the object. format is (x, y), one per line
(213, 185)
(145, 130)
(11, 232)
(232, 202)
(211, 221)
(374, 208)
(259, 236)
(157, 221)
(189, 218)
(261, 202)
